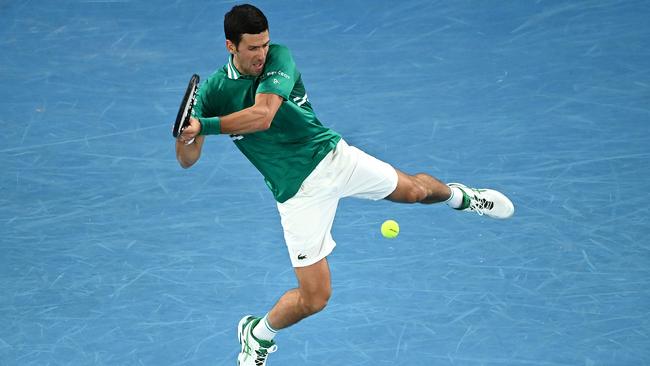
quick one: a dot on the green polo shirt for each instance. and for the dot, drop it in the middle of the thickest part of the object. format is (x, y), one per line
(295, 143)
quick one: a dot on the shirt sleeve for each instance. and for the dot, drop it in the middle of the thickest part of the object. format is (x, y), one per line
(202, 106)
(203, 110)
(280, 74)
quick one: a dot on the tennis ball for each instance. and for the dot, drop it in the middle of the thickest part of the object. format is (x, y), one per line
(390, 229)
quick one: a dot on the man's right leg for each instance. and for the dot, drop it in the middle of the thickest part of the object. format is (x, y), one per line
(420, 188)
(311, 296)
(424, 188)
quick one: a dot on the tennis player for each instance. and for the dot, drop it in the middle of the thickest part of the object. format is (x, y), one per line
(259, 99)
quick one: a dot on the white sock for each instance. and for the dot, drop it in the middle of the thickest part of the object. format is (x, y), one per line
(263, 330)
(456, 198)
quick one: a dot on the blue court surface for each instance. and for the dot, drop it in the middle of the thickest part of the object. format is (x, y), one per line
(111, 254)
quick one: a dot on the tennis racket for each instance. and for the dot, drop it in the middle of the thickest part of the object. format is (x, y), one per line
(185, 110)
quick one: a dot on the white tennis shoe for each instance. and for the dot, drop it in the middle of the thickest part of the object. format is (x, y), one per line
(486, 202)
(253, 351)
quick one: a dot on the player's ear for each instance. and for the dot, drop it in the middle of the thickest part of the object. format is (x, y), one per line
(230, 47)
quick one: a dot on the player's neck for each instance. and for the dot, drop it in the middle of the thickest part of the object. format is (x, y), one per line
(235, 63)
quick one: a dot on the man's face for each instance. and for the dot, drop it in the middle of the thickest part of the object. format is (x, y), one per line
(250, 55)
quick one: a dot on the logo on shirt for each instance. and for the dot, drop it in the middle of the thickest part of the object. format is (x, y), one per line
(300, 100)
(279, 73)
(301, 257)
(276, 81)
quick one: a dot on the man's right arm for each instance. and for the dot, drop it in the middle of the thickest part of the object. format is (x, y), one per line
(186, 154)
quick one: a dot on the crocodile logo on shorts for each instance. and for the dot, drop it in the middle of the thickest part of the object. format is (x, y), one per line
(301, 257)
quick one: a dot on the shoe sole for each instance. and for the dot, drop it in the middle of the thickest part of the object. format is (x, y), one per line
(240, 330)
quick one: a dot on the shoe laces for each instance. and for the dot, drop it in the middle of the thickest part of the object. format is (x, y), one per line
(479, 204)
(263, 353)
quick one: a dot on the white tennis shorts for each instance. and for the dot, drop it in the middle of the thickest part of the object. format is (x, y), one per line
(307, 217)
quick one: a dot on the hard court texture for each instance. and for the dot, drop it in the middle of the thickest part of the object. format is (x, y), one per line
(111, 254)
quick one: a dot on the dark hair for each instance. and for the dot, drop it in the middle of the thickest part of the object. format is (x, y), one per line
(243, 19)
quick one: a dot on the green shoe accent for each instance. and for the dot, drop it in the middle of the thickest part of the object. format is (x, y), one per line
(263, 342)
(466, 200)
(254, 352)
(486, 202)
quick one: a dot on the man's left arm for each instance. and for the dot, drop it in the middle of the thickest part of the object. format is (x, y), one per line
(279, 78)
(255, 118)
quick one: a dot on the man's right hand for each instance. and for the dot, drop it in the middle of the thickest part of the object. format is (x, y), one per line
(188, 154)
(190, 131)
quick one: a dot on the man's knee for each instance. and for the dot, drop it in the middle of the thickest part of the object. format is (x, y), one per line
(316, 301)
(314, 287)
(415, 192)
(417, 195)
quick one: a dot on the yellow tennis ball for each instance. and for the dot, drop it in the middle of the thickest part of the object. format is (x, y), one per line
(390, 229)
